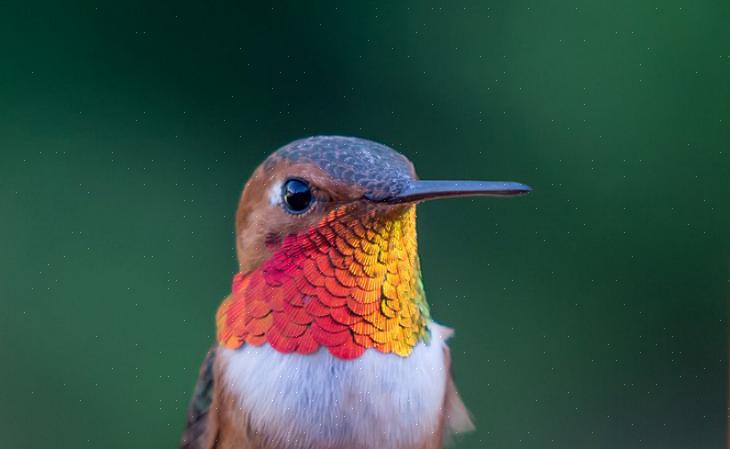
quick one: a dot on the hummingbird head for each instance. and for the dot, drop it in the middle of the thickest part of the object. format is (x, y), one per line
(326, 244)
(297, 186)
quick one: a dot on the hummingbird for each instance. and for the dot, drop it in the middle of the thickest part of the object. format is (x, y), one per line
(326, 340)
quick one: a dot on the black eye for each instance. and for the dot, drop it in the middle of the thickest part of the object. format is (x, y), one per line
(297, 196)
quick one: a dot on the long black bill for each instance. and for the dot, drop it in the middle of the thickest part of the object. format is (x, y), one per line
(428, 190)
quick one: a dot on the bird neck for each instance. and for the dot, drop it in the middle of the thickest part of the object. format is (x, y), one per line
(350, 283)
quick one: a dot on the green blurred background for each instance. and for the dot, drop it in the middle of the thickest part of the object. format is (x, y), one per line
(591, 314)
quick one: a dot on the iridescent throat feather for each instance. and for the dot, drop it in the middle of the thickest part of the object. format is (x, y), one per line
(350, 283)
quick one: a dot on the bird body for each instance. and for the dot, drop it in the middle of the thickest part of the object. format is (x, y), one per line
(321, 401)
(326, 340)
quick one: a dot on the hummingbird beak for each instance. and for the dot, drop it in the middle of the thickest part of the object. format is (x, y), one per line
(428, 190)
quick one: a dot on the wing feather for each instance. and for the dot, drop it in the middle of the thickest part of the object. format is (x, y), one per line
(198, 424)
(457, 418)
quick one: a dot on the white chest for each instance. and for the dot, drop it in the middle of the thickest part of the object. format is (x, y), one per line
(378, 400)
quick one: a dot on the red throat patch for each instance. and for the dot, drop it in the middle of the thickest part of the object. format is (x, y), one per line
(350, 283)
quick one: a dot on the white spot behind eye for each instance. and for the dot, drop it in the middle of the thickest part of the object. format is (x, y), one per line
(275, 194)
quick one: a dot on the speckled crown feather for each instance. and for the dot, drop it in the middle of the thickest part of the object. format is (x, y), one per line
(379, 170)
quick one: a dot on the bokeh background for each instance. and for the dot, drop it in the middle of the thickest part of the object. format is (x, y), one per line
(591, 314)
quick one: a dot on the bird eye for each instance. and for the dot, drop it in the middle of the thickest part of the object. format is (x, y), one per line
(297, 196)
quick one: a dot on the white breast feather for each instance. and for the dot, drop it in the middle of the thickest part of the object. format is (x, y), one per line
(378, 400)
